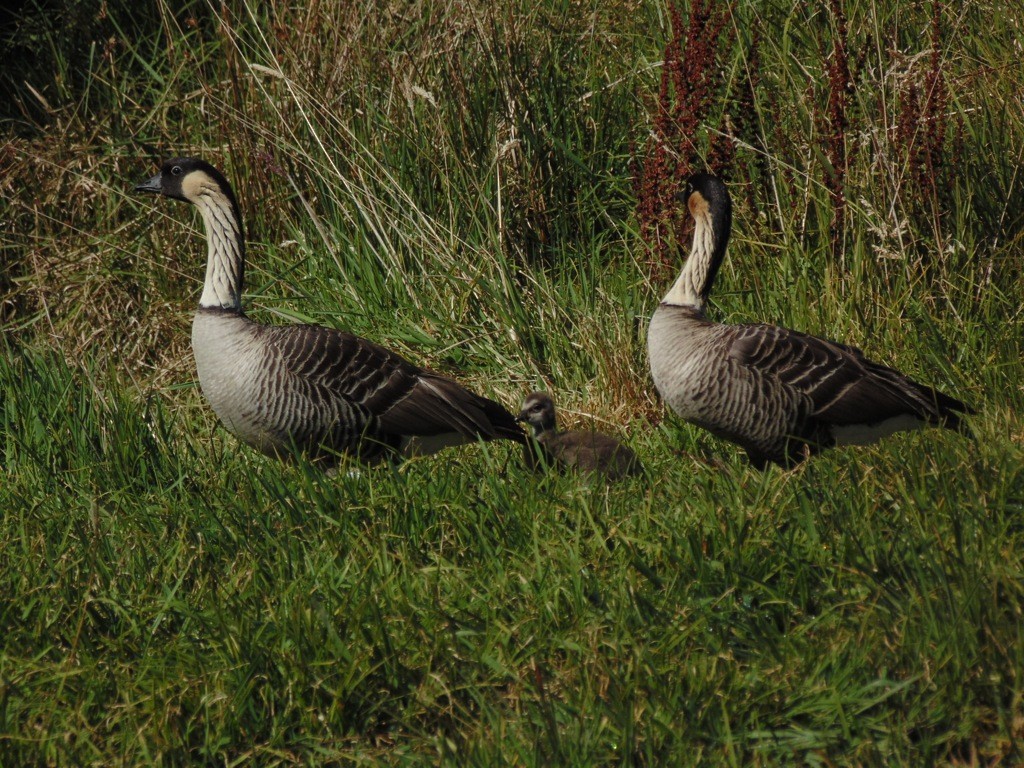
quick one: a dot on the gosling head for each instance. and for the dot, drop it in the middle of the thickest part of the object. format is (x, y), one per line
(538, 411)
(189, 179)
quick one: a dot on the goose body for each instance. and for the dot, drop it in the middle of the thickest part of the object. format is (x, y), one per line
(780, 394)
(319, 390)
(583, 451)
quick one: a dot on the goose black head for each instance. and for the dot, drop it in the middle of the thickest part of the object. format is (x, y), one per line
(538, 411)
(184, 178)
(705, 194)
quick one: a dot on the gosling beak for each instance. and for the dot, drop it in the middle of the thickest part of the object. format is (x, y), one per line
(153, 185)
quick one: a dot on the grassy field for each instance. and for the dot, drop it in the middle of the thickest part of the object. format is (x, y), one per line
(486, 187)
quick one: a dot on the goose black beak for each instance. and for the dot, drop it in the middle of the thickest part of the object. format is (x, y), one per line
(153, 185)
(521, 418)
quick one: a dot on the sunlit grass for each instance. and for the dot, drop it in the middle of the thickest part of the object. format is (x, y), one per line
(455, 182)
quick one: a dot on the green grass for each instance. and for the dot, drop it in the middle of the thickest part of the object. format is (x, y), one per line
(455, 182)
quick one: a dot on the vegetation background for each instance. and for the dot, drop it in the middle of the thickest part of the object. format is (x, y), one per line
(486, 187)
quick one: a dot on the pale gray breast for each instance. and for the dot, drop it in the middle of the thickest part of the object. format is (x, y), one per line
(232, 368)
(253, 386)
(685, 361)
(702, 382)
(248, 388)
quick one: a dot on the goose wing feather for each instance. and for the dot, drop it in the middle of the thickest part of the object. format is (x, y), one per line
(401, 397)
(843, 386)
(437, 404)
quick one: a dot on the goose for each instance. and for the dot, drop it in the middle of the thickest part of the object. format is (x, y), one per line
(322, 391)
(780, 394)
(590, 452)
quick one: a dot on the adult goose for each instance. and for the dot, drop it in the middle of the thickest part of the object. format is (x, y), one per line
(321, 391)
(780, 394)
(588, 452)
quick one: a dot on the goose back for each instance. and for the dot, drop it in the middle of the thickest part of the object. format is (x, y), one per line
(326, 391)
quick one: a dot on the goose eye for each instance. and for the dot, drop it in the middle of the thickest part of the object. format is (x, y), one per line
(176, 170)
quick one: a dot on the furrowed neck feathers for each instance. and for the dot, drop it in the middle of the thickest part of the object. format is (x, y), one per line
(225, 264)
(713, 220)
